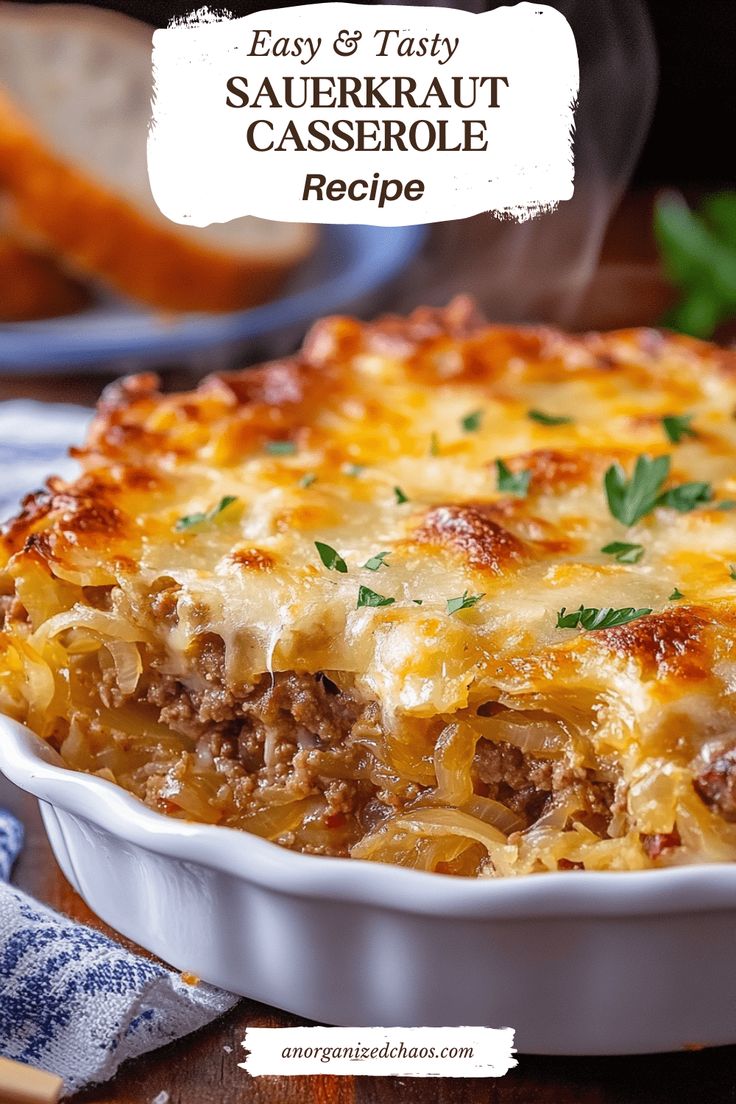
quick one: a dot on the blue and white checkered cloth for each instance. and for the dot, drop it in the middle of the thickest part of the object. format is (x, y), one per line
(34, 439)
(73, 1001)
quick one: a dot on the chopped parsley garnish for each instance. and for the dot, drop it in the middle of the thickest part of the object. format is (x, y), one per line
(515, 483)
(400, 496)
(368, 597)
(434, 445)
(590, 618)
(732, 570)
(727, 504)
(686, 497)
(677, 426)
(280, 448)
(353, 470)
(191, 520)
(417, 601)
(471, 423)
(332, 560)
(631, 499)
(548, 419)
(676, 595)
(307, 479)
(465, 602)
(377, 561)
(623, 552)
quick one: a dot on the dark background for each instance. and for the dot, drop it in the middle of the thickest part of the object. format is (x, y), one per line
(691, 140)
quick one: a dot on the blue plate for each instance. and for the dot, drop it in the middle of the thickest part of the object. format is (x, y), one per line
(349, 264)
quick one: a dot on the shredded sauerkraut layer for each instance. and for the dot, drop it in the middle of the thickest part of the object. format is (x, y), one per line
(433, 593)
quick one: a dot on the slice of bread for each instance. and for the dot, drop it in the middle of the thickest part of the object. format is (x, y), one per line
(31, 283)
(75, 89)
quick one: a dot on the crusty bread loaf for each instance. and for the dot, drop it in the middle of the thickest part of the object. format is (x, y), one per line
(31, 283)
(75, 88)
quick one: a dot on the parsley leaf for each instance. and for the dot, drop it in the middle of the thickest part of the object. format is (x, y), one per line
(727, 504)
(631, 499)
(548, 419)
(471, 422)
(686, 497)
(368, 597)
(417, 601)
(465, 602)
(191, 520)
(400, 496)
(353, 470)
(675, 595)
(623, 552)
(377, 561)
(516, 484)
(307, 479)
(590, 618)
(677, 426)
(280, 448)
(332, 560)
(732, 570)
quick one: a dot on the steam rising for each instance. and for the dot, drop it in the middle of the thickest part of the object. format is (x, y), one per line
(539, 270)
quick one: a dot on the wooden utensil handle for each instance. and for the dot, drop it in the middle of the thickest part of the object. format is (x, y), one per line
(20, 1084)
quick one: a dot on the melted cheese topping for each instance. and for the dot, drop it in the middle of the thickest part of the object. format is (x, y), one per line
(314, 449)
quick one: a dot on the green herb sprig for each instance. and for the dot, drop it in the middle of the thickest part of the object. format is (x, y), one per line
(368, 597)
(629, 500)
(677, 426)
(190, 521)
(280, 448)
(471, 423)
(375, 563)
(466, 601)
(331, 559)
(623, 552)
(548, 419)
(592, 618)
(515, 483)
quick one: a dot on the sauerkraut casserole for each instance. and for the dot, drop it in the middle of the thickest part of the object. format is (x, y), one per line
(432, 592)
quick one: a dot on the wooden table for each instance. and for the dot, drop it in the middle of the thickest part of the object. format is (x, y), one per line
(200, 1070)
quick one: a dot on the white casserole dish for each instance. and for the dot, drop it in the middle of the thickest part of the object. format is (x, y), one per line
(577, 963)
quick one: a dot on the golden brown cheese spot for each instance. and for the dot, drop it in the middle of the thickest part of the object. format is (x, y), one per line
(302, 518)
(333, 341)
(40, 547)
(544, 535)
(403, 337)
(16, 531)
(139, 479)
(670, 643)
(128, 439)
(471, 532)
(90, 518)
(125, 392)
(279, 383)
(553, 470)
(488, 354)
(254, 558)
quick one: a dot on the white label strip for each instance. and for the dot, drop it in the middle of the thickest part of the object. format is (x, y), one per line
(380, 114)
(379, 1051)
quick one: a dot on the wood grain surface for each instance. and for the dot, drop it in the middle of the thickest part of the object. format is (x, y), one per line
(202, 1068)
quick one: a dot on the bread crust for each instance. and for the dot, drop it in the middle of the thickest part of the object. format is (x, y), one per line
(102, 235)
(32, 285)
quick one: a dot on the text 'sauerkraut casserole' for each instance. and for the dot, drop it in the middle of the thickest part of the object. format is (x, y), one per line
(433, 593)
